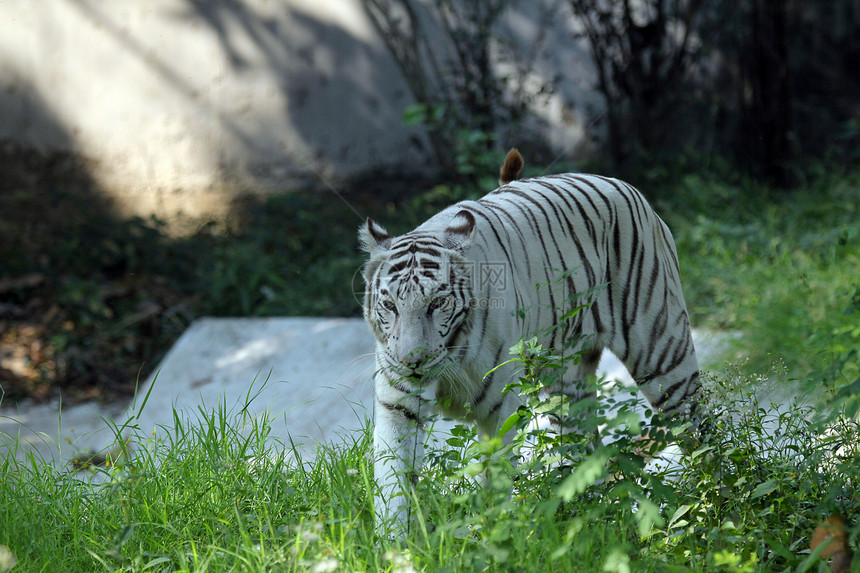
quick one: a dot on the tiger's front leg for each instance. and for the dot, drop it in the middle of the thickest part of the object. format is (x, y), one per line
(398, 445)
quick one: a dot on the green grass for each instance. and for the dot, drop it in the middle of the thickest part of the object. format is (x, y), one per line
(782, 270)
(213, 494)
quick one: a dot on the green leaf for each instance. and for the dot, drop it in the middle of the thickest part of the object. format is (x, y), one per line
(764, 488)
(588, 472)
(779, 548)
(560, 552)
(156, 561)
(510, 423)
(415, 114)
(454, 442)
(7, 558)
(551, 404)
(648, 517)
(617, 561)
(701, 451)
(548, 507)
(679, 513)
(474, 469)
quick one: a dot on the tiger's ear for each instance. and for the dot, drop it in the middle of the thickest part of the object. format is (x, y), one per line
(460, 231)
(512, 167)
(373, 237)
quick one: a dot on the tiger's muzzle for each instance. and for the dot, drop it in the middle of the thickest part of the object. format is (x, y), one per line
(416, 367)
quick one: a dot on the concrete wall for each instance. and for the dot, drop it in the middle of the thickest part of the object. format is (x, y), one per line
(180, 105)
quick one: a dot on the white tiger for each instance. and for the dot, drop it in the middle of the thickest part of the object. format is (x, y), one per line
(448, 300)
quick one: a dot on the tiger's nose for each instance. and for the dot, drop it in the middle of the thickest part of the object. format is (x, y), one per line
(412, 370)
(415, 358)
(413, 365)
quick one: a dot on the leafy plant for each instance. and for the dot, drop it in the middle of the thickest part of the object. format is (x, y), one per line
(472, 85)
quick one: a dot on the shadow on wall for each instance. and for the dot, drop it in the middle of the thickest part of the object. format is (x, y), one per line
(341, 91)
(294, 99)
(46, 191)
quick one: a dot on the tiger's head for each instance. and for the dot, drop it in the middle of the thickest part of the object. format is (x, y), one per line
(418, 295)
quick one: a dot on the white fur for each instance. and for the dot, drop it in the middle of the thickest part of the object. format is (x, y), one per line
(599, 231)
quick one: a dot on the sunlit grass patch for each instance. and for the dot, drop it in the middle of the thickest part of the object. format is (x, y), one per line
(212, 493)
